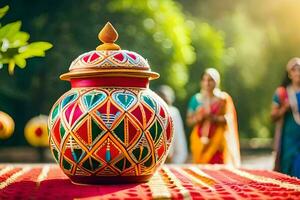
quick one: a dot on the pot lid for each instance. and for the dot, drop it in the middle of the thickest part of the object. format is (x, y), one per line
(109, 60)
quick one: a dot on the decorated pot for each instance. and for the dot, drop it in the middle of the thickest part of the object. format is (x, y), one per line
(35, 131)
(7, 125)
(110, 127)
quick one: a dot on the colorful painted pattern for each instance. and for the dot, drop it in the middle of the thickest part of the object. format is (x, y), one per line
(109, 132)
(110, 59)
(170, 182)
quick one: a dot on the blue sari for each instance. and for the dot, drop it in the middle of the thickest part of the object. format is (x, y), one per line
(288, 147)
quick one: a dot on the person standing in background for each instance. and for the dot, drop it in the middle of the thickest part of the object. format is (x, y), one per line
(178, 150)
(286, 114)
(212, 116)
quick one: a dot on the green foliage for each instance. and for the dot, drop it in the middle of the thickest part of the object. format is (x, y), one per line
(15, 48)
(259, 39)
(168, 38)
(245, 68)
(155, 29)
(249, 44)
(3, 11)
(209, 48)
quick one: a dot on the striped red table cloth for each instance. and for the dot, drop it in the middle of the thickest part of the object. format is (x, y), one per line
(171, 182)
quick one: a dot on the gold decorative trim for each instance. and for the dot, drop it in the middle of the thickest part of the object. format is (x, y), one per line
(208, 179)
(108, 35)
(110, 73)
(96, 68)
(101, 60)
(194, 179)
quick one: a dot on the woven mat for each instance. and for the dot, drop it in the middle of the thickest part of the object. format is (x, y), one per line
(171, 182)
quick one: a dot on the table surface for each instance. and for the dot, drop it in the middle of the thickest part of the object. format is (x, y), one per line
(170, 182)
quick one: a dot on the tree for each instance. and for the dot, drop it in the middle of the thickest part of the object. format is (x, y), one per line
(15, 48)
(259, 39)
(155, 29)
(14, 51)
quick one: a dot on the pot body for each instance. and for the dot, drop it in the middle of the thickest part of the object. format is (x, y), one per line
(7, 125)
(109, 134)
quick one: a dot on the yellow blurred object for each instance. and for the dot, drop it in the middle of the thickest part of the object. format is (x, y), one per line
(36, 132)
(7, 125)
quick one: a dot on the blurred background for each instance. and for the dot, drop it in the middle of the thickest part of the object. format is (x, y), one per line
(249, 42)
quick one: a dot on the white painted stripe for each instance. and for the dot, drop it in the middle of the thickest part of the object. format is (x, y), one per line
(43, 175)
(5, 170)
(185, 193)
(158, 188)
(13, 177)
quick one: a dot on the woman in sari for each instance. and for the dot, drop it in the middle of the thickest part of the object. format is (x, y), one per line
(285, 112)
(211, 113)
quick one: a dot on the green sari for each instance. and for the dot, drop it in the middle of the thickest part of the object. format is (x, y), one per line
(287, 137)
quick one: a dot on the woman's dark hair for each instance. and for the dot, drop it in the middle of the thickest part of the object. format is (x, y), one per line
(286, 80)
(202, 74)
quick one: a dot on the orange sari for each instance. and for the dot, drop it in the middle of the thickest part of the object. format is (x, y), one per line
(222, 146)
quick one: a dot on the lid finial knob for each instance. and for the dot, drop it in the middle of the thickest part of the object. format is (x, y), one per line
(108, 35)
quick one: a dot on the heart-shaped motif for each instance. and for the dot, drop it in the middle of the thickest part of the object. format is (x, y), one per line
(86, 58)
(119, 57)
(93, 98)
(94, 57)
(125, 99)
(131, 55)
(68, 99)
(149, 101)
